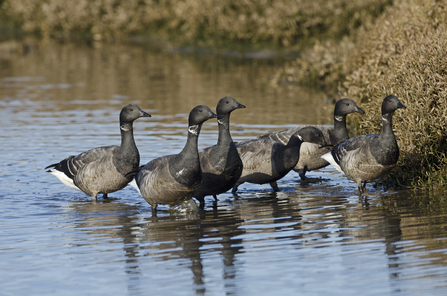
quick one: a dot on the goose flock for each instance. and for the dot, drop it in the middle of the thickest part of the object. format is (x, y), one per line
(194, 173)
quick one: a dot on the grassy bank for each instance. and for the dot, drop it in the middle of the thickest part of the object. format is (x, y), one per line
(402, 52)
(205, 23)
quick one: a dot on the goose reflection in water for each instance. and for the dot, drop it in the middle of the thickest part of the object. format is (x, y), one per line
(162, 239)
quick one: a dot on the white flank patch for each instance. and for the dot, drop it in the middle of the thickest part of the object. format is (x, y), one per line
(328, 157)
(133, 183)
(64, 179)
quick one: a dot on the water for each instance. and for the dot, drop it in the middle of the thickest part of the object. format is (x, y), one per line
(313, 238)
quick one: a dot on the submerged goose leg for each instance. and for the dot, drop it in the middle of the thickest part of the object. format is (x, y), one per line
(104, 195)
(215, 197)
(360, 187)
(274, 186)
(302, 174)
(234, 190)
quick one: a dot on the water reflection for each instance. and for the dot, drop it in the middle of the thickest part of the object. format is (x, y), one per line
(72, 77)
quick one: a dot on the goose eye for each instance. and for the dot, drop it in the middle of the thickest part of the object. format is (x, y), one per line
(131, 110)
(227, 102)
(347, 104)
(200, 110)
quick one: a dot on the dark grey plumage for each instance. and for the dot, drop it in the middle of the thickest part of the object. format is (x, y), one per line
(267, 161)
(310, 153)
(368, 157)
(221, 164)
(104, 169)
(174, 178)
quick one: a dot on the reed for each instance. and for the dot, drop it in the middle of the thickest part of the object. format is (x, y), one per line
(273, 23)
(401, 52)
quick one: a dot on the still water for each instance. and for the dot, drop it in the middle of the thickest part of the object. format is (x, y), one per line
(314, 238)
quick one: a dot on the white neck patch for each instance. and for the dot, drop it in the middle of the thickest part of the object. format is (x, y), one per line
(124, 128)
(301, 138)
(385, 118)
(219, 121)
(194, 129)
(338, 117)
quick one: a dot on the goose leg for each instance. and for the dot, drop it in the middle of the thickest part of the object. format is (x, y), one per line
(154, 207)
(104, 196)
(215, 197)
(274, 186)
(302, 173)
(360, 187)
(234, 190)
(364, 186)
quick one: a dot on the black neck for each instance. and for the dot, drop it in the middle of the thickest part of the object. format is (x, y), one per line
(192, 140)
(128, 158)
(187, 159)
(385, 150)
(292, 150)
(387, 127)
(340, 132)
(224, 137)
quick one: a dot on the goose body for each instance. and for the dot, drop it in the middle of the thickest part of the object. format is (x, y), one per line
(310, 153)
(267, 161)
(173, 178)
(221, 164)
(103, 169)
(368, 157)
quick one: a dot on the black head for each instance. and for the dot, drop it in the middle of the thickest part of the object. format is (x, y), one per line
(390, 104)
(200, 114)
(346, 106)
(132, 112)
(311, 134)
(226, 105)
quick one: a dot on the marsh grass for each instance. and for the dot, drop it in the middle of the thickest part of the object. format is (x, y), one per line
(205, 23)
(402, 52)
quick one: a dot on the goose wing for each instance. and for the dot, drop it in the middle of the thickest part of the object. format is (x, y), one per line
(72, 164)
(256, 155)
(282, 137)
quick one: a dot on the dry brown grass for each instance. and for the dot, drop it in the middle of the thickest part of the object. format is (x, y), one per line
(201, 22)
(402, 52)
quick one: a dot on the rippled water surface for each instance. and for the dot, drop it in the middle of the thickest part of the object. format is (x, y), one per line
(314, 238)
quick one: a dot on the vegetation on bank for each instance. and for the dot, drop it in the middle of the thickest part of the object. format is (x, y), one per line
(361, 49)
(205, 23)
(402, 52)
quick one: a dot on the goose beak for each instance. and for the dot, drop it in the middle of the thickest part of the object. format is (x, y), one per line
(401, 106)
(357, 109)
(144, 114)
(239, 105)
(213, 115)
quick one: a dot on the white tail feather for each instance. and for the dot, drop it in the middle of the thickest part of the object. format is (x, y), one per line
(133, 183)
(328, 157)
(64, 179)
